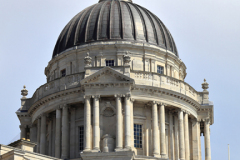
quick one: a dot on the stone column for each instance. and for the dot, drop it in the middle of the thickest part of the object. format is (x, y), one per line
(176, 139)
(87, 124)
(186, 135)
(33, 133)
(58, 134)
(132, 123)
(50, 137)
(96, 122)
(127, 122)
(72, 133)
(119, 126)
(181, 135)
(171, 137)
(65, 132)
(147, 142)
(38, 135)
(162, 131)
(43, 134)
(207, 140)
(155, 129)
(23, 131)
(195, 139)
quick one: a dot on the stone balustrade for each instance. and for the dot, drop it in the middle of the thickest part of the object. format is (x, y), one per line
(166, 82)
(140, 77)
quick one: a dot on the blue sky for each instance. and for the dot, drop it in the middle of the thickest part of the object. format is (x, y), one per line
(207, 35)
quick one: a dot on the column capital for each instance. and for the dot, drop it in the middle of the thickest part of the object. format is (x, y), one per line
(44, 115)
(22, 126)
(132, 100)
(118, 95)
(128, 95)
(152, 103)
(181, 110)
(72, 108)
(31, 125)
(62, 106)
(161, 103)
(96, 97)
(87, 96)
(206, 121)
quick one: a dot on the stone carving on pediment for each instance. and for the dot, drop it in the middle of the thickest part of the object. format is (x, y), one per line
(108, 109)
(107, 75)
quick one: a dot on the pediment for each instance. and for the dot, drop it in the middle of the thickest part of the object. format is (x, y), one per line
(107, 75)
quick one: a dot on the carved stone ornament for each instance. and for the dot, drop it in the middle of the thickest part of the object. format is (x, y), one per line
(205, 85)
(126, 59)
(108, 110)
(24, 91)
(88, 60)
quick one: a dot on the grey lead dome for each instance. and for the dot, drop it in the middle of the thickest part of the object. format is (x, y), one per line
(111, 20)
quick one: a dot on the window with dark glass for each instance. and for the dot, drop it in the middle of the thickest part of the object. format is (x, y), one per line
(109, 62)
(81, 138)
(160, 70)
(63, 73)
(137, 136)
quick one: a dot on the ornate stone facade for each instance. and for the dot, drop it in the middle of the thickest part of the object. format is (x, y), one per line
(117, 99)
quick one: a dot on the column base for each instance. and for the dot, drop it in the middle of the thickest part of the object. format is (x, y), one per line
(87, 150)
(157, 155)
(127, 149)
(64, 157)
(165, 156)
(119, 150)
(95, 150)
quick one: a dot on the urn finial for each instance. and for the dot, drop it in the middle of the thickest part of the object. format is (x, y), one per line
(24, 92)
(88, 60)
(205, 85)
(127, 58)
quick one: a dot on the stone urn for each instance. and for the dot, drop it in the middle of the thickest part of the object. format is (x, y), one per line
(108, 143)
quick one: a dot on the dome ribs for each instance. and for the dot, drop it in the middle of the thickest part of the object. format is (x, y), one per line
(114, 20)
(79, 24)
(152, 24)
(103, 22)
(128, 23)
(72, 30)
(143, 22)
(121, 28)
(168, 39)
(150, 28)
(165, 33)
(82, 30)
(92, 23)
(138, 24)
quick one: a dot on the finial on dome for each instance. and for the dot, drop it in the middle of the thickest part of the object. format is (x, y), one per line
(118, 0)
(24, 92)
(205, 85)
(88, 60)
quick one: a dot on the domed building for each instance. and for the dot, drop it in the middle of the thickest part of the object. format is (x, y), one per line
(115, 90)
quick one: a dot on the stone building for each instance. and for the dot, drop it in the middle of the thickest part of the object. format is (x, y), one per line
(115, 90)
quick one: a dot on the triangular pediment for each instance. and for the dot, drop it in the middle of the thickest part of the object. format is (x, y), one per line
(107, 75)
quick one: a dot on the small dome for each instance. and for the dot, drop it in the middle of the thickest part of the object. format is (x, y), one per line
(111, 20)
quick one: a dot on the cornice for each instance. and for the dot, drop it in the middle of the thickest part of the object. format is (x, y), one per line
(53, 96)
(147, 89)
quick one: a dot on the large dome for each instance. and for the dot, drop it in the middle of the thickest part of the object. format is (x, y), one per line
(111, 20)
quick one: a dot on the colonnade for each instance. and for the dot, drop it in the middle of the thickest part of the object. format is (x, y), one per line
(179, 131)
(96, 121)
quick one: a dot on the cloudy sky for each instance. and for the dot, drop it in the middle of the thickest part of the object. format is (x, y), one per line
(207, 34)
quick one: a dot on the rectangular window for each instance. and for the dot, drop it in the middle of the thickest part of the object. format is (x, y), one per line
(137, 136)
(63, 73)
(81, 138)
(109, 62)
(160, 70)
